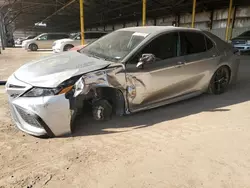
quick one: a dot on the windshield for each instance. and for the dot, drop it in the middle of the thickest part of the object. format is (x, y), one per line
(114, 46)
(245, 34)
(39, 36)
(73, 36)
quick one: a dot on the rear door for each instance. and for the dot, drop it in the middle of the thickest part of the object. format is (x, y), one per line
(201, 58)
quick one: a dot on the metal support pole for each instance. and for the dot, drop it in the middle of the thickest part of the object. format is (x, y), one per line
(229, 19)
(2, 32)
(193, 13)
(211, 20)
(233, 23)
(144, 7)
(82, 21)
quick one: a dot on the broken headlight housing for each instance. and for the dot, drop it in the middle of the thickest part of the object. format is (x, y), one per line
(63, 88)
(41, 92)
(79, 87)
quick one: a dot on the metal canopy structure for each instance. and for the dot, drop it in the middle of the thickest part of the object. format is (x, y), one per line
(63, 15)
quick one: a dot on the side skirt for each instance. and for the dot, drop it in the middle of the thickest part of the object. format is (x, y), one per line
(168, 101)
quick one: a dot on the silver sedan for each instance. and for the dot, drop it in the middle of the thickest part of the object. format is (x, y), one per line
(126, 71)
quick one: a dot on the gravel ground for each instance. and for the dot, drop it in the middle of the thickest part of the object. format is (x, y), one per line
(202, 142)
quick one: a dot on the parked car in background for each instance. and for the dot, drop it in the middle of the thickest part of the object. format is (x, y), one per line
(67, 44)
(21, 39)
(242, 42)
(43, 41)
(126, 71)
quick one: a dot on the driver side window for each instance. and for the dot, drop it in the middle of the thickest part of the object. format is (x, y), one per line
(163, 47)
(44, 37)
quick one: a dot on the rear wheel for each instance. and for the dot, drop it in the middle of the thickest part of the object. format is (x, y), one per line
(220, 81)
(33, 47)
(67, 47)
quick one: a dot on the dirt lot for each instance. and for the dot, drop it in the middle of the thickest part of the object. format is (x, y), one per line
(202, 142)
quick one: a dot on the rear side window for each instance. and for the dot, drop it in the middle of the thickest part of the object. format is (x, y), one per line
(209, 43)
(51, 37)
(192, 43)
(57, 36)
(61, 36)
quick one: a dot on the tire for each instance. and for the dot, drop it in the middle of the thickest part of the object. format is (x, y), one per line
(68, 47)
(102, 110)
(33, 47)
(220, 81)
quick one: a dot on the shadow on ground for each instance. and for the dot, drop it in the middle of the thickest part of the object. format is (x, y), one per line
(236, 94)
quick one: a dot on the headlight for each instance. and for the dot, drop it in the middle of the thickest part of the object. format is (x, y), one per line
(39, 92)
(63, 88)
(79, 87)
(248, 41)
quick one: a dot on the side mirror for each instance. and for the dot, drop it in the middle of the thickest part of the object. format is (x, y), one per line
(145, 59)
(38, 39)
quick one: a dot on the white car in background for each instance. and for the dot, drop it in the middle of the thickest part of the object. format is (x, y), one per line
(43, 41)
(66, 44)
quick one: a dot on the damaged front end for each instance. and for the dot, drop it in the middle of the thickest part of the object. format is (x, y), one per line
(103, 92)
(35, 113)
(44, 111)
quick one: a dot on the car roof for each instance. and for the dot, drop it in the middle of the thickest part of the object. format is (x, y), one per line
(157, 29)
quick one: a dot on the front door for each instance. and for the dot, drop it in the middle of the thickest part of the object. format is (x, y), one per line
(161, 80)
(43, 41)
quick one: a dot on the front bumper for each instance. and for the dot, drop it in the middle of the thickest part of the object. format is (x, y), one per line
(40, 116)
(57, 49)
(25, 46)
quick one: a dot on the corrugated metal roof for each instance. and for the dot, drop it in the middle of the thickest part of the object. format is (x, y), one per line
(25, 13)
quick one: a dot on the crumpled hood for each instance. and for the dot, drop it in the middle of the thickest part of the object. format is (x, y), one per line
(52, 70)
